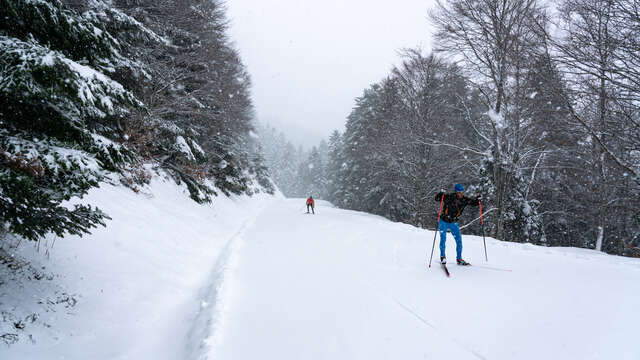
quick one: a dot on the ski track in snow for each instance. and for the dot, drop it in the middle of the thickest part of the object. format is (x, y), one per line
(426, 322)
(204, 335)
(448, 337)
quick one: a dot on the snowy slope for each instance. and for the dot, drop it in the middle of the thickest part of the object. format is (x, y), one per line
(346, 285)
(128, 291)
(260, 279)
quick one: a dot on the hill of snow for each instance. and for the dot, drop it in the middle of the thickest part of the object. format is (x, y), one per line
(258, 278)
(131, 290)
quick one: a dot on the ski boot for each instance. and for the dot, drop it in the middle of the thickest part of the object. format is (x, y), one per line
(443, 260)
(462, 262)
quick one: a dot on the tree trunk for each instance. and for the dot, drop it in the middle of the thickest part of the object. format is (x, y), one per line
(599, 238)
(498, 182)
(601, 158)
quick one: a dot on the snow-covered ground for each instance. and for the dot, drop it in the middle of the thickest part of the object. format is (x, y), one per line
(260, 279)
(131, 290)
(346, 285)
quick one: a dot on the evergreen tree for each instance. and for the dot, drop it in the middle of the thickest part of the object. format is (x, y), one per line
(199, 125)
(312, 175)
(60, 114)
(336, 169)
(281, 159)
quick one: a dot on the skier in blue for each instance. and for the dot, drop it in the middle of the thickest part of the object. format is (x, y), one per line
(452, 206)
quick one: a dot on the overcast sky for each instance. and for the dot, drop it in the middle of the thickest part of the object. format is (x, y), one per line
(309, 59)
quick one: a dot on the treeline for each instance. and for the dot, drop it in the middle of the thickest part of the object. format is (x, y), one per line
(535, 109)
(296, 171)
(101, 87)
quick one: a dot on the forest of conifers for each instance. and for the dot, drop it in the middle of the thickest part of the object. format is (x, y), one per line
(94, 91)
(535, 107)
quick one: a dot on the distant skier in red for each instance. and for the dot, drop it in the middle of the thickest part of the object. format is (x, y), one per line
(311, 204)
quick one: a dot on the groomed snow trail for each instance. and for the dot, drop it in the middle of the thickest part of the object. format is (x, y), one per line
(346, 285)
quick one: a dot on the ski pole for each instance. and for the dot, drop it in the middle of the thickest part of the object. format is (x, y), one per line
(436, 230)
(482, 222)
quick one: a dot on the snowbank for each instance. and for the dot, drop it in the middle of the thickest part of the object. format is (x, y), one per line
(128, 291)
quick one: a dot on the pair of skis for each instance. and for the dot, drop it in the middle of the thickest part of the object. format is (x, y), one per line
(446, 271)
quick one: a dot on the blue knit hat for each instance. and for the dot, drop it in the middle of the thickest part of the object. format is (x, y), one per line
(459, 188)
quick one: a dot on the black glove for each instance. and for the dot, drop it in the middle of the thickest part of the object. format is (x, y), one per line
(479, 197)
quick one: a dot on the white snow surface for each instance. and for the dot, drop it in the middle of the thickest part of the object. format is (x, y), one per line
(258, 278)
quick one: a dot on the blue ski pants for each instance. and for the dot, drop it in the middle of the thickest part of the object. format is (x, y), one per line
(443, 226)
